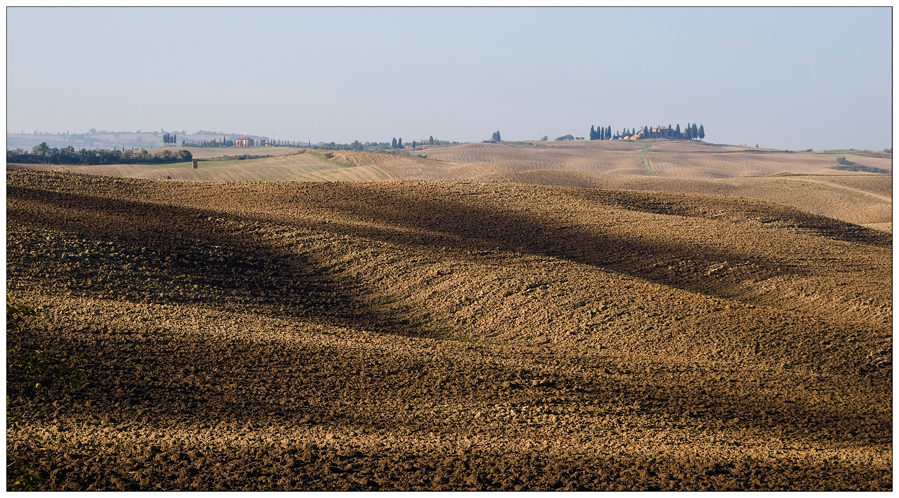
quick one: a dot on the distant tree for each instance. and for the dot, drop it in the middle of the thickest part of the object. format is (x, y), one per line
(592, 133)
(566, 137)
(393, 143)
(496, 137)
(545, 138)
(431, 140)
(701, 132)
(399, 143)
(695, 131)
(41, 149)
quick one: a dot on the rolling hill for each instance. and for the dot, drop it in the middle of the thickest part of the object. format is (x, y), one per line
(449, 330)
(803, 180)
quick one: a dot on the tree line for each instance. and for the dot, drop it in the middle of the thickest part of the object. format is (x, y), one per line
(690, 132)
(43, 154)
(394, 146)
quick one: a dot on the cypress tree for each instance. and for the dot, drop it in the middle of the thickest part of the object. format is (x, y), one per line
(431, 140)
(399, 143)
(694, 132)
(592, 133)
(701, 132)
(393, 144)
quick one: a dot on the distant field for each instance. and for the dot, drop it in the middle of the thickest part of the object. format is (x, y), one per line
(676, 159)
(210, 152)
(737, 164)
(623, 160)
(287, 165)
(804, 180)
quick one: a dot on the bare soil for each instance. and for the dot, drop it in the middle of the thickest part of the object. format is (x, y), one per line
(447, 335)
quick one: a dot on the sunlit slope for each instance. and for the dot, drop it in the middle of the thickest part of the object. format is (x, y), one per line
(644, 340)
(864, 199)
(294, 167)
(861, 198)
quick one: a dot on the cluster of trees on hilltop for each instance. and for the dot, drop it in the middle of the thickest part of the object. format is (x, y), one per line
(690, 132)
(43, 154)
(397, 143)
(169, 139)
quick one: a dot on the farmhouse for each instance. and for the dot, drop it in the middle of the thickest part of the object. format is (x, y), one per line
(244, 142)
(662, 130)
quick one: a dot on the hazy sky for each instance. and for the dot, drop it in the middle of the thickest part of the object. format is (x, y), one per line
(792, 78)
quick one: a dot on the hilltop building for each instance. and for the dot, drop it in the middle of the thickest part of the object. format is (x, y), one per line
(244, 142)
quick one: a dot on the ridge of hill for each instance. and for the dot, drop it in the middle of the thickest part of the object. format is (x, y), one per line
(449, 334)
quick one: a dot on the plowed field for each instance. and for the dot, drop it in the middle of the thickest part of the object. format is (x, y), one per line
(446, 335)
(285, 167)
(621, 159)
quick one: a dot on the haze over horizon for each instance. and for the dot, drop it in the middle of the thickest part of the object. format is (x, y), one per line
(788, 78)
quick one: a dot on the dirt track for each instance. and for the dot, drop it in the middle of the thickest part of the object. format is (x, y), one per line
(448, 335)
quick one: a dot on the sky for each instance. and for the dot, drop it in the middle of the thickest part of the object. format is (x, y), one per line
(787, 78)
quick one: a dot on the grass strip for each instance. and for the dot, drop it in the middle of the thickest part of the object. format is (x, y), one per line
(330, 160)
(646, 164)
